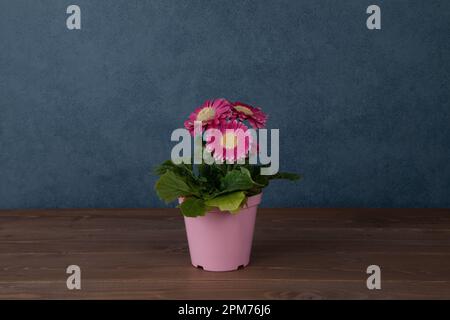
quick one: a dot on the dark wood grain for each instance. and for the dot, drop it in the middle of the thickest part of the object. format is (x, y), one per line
(297, 254)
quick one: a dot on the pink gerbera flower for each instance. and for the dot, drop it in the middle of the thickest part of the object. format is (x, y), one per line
(211, 114)
(254, 116)
(230, 142)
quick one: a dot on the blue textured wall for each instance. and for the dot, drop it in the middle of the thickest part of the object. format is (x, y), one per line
(85, 115)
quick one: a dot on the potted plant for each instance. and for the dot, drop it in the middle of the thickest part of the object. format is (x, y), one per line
(219, 198)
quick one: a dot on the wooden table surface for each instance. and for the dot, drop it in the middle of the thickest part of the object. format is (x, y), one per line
(297, 254)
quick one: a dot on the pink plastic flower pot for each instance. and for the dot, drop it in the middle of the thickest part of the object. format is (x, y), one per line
(220, 240)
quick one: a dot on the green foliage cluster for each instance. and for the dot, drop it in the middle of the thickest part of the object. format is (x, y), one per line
(205, 187)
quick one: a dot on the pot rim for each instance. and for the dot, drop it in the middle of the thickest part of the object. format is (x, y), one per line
(252, 201)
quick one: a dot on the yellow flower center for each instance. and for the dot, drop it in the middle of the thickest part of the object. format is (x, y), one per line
(244, 110)
(206, 114)
(229, 140)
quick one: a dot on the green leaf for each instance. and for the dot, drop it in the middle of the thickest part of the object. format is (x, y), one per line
(171, 186)
(247, 172)
(182, 169)
(227, 202)
(286, 175)
(236, 180)
(193, 207)
(164, 167)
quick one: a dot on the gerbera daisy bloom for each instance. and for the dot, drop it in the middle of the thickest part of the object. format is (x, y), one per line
(230, 142)
(254, 116)
(211, 114)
